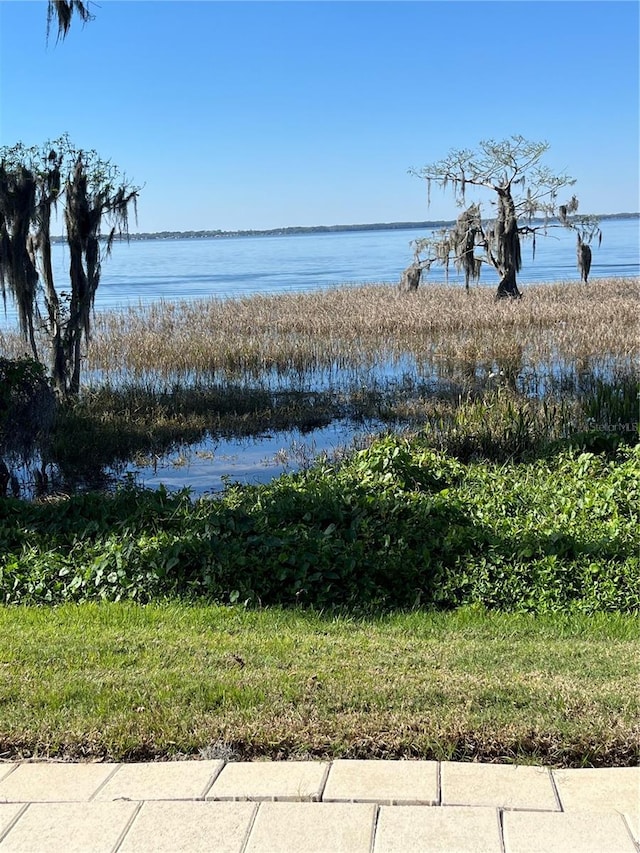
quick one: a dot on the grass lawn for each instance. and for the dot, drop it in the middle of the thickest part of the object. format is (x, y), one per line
(131, 682)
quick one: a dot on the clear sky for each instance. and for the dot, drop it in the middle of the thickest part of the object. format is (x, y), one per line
(255, 115)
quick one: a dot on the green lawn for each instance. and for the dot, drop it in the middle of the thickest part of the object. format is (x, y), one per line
(127, 681)
(488, 612)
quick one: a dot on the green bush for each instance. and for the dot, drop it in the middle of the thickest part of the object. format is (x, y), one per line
(395, 526)
(27, 414)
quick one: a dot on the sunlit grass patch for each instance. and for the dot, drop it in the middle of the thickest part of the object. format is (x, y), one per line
(128, 682)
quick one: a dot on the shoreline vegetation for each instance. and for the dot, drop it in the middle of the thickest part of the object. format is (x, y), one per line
(466, 586)
(294, 230)
(479, 379)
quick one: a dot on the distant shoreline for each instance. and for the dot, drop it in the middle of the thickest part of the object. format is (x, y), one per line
(294, 230)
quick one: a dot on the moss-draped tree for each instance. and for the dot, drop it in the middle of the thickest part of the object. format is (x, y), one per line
(509, 174)
(91, 192)
(63, 11)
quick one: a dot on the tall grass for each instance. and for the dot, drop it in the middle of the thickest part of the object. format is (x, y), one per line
(439, 331)
(562, 360)
(556, 331)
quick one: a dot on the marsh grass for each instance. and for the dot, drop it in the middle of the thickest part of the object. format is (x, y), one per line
(564, 357)
(438, 330)
(127, 683)
(482, 378)
(441, 330)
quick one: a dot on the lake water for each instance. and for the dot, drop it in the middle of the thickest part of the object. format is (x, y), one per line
(144, 271)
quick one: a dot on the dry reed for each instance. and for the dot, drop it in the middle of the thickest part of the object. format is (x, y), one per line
(352, 327)
(439, 331)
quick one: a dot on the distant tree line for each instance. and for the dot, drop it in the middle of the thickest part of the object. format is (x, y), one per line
(312, 229)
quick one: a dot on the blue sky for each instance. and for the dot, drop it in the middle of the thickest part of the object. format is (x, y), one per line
(267, 114)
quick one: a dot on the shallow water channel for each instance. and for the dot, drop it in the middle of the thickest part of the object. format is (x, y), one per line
(208, 465)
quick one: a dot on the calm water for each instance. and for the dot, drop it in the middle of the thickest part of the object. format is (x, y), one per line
(206, 466)
(144, 271)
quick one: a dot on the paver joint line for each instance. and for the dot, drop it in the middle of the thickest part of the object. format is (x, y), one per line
(500, 817)
(106, 781)
(126, 829)
(6, 775)
(252, 821)
(323, 782)
(632, 835)
(13, 822)
(554, 788)
(528, 809)
(213, 778)
(374, 829)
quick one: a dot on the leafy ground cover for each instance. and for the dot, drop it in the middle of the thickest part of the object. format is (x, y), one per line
(394, 525)
(131, 682)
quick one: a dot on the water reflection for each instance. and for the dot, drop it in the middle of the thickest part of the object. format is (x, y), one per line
(208, 465)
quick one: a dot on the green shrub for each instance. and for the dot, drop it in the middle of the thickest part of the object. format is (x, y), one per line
(27, 414)
(395, 526)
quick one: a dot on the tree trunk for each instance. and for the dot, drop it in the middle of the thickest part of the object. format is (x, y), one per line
(58, 364)
(584, 260)
(74, 384)
(508, 288)
(507, 245)
(5, 477)
(410, 278)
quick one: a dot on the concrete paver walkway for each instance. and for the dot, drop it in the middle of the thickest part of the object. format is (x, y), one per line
(316, 807)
